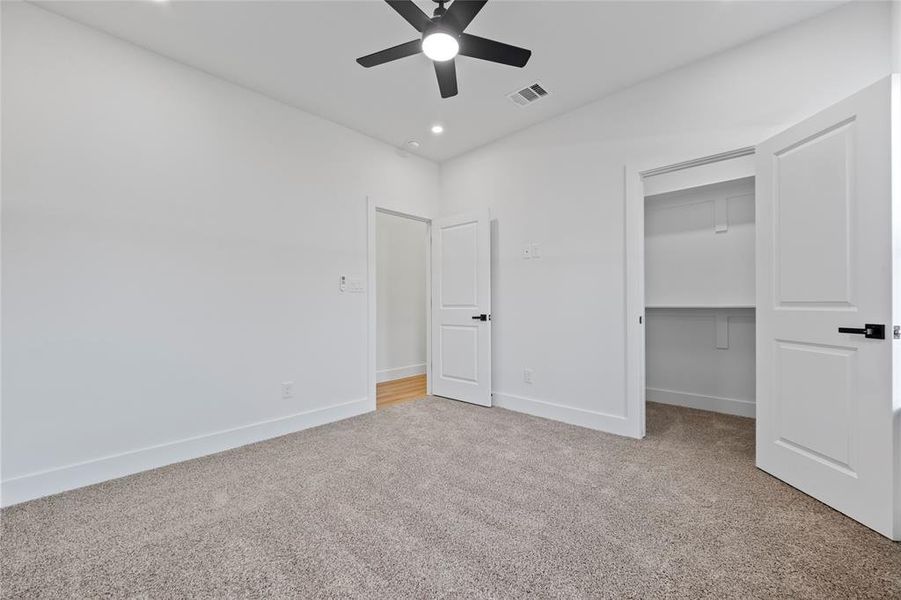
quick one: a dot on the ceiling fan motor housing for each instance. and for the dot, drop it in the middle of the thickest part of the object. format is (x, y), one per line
(450, 41)
(437, 27)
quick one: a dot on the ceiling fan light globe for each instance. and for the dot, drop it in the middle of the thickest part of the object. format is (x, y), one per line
(440, 46)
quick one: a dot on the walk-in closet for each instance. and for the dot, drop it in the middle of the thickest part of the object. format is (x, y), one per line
(700, 295)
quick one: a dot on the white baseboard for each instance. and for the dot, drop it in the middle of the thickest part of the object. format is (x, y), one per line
(53, 481)
(558, 412)
(399, 373)
(729, 406)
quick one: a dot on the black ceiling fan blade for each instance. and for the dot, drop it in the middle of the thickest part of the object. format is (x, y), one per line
(409, 11)
(389, 54)
(447, 77)
(485, 49)
(462, 12)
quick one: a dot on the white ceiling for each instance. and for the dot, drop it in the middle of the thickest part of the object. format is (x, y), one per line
(303, 53)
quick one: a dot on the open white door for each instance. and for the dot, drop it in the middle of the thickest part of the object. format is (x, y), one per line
(461, 308)
(824, 264)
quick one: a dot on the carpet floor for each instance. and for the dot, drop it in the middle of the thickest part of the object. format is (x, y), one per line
(439, 499)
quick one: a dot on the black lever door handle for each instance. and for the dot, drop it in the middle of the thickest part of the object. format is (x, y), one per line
(482, 317)
(873, 331)
(859, 330)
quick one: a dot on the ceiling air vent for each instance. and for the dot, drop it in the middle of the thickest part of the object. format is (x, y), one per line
(528, 95)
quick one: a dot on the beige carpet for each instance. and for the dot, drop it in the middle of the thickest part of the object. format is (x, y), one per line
(438, 499)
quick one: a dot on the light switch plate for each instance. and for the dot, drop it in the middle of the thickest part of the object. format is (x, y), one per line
(527, 252)
(351, 285)
(536, 250)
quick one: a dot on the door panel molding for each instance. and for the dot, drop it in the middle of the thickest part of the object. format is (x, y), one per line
(825, 422)
(461, 292)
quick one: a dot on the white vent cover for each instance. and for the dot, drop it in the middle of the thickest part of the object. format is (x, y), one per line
(528, 95)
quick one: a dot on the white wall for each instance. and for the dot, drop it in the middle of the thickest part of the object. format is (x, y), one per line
(171, 250)
(687, 261)
(400, 296)
(560, 183)
(896, 36)
(686, 367)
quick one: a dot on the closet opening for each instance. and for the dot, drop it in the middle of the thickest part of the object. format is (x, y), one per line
(699, 297)
(698, 292)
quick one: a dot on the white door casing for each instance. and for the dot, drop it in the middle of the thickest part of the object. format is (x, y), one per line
(824, 261)
(461, 294)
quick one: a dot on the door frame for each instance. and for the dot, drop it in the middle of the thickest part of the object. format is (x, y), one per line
(685, 174)
(373, 207)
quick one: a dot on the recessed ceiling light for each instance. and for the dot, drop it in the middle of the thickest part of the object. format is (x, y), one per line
(436, 129)
(413, 144)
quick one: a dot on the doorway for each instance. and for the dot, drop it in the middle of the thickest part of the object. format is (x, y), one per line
(699, 257)
(457, 251)
(402, 303)
(691, 274)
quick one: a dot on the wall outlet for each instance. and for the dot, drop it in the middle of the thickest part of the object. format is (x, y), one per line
(527, 375)
(287, 390)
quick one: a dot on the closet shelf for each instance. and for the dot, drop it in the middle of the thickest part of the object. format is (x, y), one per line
(699, 306)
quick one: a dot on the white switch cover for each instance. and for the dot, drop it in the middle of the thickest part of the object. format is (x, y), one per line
(287, 390)
(527, 252)
(352, 285)
(527, 375)
(536, 250)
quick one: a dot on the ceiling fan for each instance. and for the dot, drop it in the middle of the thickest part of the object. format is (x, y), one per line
(443, 38)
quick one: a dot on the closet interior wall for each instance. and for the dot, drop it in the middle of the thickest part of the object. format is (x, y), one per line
(700, 295)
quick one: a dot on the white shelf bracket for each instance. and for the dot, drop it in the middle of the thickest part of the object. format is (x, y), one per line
(722, 330)
(721, 215)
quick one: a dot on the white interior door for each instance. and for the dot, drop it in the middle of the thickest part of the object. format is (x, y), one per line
(824, 262)
(461, 308)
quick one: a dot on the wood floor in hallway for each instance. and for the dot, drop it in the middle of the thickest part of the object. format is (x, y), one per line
(398, 391)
